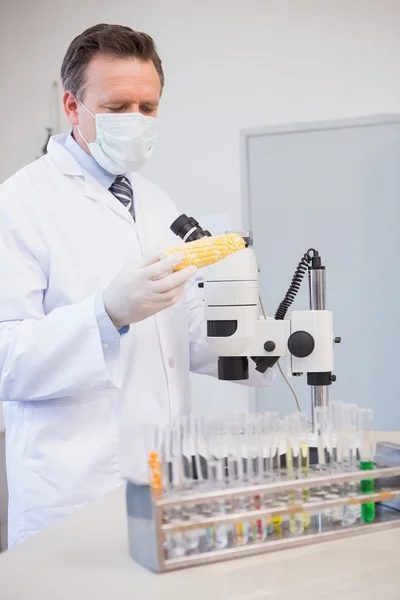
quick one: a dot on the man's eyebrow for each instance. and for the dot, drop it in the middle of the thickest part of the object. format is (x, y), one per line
(126, 102)
(119, 101)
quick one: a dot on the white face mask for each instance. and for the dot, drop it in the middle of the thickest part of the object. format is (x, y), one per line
(123, 142)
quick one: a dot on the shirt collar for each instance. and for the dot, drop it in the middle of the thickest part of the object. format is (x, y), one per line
(88, 163)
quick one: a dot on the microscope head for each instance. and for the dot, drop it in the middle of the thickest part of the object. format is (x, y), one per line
(231, 290)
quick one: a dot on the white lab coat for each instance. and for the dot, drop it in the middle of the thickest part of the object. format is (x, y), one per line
(75, 411)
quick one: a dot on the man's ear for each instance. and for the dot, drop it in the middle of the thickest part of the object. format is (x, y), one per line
(71, 103)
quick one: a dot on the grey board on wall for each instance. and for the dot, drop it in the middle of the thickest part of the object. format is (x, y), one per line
(335, 187)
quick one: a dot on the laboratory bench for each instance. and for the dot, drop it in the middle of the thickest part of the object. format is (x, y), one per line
(86, 556)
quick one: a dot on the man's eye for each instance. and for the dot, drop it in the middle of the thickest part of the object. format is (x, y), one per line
(146, 110)
(115, 108)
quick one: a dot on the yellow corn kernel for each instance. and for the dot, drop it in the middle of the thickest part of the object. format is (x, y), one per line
(207, 250)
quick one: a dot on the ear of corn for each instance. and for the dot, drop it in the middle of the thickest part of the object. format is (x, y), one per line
(207, 250)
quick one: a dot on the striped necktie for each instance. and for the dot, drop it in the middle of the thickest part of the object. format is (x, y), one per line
(122, 190)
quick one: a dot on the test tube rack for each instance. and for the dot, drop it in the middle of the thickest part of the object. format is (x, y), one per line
(148, 530)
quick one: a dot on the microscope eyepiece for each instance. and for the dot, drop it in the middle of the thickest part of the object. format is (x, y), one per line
(188, 229)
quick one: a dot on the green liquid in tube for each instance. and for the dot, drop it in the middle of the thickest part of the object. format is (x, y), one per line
(367, 486)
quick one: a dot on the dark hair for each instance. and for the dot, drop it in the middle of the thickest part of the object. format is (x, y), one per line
(111, 40)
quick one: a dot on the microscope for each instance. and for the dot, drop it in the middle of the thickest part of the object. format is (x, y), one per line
(238, 333)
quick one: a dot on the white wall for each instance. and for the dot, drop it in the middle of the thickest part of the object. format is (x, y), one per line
(229, 65)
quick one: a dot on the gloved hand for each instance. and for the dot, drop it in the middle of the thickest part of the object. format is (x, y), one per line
(142, 290)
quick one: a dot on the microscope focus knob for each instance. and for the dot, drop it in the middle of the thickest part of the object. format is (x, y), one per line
(301, 344)
(269, 346)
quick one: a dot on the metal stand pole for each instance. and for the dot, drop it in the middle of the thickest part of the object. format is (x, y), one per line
(317, 289)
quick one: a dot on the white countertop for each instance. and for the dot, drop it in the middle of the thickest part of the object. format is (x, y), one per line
(85, 557)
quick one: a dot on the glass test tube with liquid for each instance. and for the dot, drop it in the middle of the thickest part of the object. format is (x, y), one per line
(324, 429)
(172, 476)
(350, 438)
(189, 453)
(297, 433)
(367, 453)
(238, 475)
(219, 453)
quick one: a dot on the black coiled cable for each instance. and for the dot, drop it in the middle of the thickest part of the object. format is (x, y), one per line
(295, 285)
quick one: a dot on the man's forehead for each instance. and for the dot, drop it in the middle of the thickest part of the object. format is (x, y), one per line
(119, 79)
(114, 69)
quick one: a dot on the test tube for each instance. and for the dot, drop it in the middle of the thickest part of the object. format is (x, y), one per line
(257, 432)
(268, 447)
(279, 443)
(367, 453)
(176, 547)
(270, 451)
(305, 463)
(295, 437)
(219, 454)
(189, 452)
(238, 449)
(153, 435)
(326, 453)
(324, 444)
(251, 464)
(324, 437)
(204, 449)
(232, 430)
(336, 419)
(350, 462)
(199, 447)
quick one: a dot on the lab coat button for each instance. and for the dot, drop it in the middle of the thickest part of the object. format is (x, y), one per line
(171, 363)
(105, 346)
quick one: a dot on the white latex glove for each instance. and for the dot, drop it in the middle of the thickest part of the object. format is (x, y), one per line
(142, 290)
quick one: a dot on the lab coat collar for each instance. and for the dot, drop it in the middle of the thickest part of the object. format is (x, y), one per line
(88, 163)
(66, 164)
(63, 160)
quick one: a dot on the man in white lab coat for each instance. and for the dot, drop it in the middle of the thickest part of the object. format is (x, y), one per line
(97, 336)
